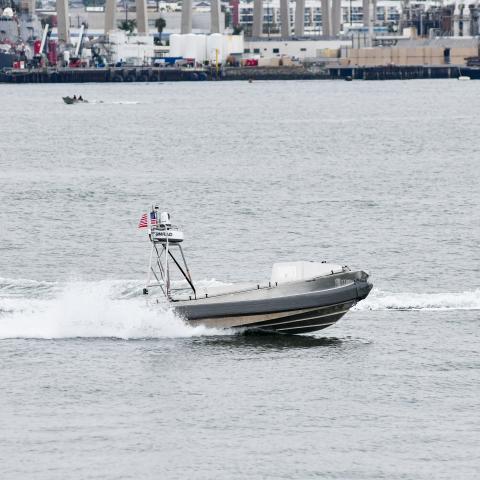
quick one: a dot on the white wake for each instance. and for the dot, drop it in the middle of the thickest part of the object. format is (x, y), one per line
(117, 309)
(380, 300)
(31, 309)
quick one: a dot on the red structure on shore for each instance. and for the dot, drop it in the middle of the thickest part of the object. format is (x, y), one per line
(235, 12)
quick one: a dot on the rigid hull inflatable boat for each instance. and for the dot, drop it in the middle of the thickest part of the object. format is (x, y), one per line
(300, 297)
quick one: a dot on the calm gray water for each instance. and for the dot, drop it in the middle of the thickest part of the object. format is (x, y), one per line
(96, 384)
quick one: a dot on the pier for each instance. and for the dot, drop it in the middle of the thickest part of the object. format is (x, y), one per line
(402, 72)
(161, 74)
(102, 75)
(385, 72)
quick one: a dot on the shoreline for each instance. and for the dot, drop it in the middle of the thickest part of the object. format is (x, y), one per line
(155, 74)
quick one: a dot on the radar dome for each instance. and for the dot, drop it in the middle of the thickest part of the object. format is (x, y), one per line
(8, 12)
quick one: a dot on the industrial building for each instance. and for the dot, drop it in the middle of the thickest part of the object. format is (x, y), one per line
(387, 13)
(260, 18)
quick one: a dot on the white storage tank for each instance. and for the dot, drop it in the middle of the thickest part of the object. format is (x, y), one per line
(176, 45)
(117, 37)
(201, 43)
(214, 45)
(189, 46)
(237, 44)
(227, 45)
(232, 44)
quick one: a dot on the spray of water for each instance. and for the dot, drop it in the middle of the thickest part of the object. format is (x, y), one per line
(380, 300)
(117, 309)
(87, 309)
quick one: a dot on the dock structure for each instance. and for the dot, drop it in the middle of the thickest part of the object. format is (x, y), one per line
(186, 21)
(299, 18)
(257, 27)
(110, 15)
(403, 72)
(336, 20)
(142, 18)
(104, 75)
(162, 74)
(187, 14)
(284, 19)
(215, 26)
(326, 17)
(366, 12)
(331, 18)
(63, 20)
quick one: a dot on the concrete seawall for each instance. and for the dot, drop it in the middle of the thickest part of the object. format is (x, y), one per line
(85, 75)
(390, 72)
(397, 72)
(153, 74)
(275, 73)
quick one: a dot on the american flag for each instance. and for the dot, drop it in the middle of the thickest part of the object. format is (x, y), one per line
(143, 221)
(153, 217)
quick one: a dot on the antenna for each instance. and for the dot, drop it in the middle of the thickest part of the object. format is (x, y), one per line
(166, 239)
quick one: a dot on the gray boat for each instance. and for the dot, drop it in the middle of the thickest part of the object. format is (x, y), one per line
(300, 297)
(73, 100)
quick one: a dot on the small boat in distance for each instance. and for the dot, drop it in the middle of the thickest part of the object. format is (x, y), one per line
(73, 100)
(300, 297)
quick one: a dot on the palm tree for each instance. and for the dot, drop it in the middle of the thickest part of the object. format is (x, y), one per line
(237, 29)
(128, 26)
(160, 23)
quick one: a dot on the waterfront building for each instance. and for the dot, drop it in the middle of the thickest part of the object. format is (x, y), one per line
(387, 14)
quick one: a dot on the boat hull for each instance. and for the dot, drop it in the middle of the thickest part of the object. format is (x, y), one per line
(296, 321)
(298, 307)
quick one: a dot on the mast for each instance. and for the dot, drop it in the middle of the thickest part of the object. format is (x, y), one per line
(165, 239)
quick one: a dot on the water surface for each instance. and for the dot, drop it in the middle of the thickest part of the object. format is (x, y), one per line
(97, 384)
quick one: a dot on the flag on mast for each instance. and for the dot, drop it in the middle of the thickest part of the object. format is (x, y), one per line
(153, 217)
(143, 221)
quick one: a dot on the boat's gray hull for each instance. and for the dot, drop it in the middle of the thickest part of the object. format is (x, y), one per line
(298, 307)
